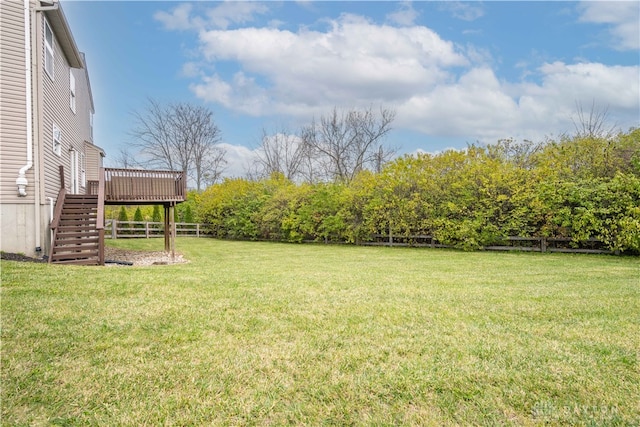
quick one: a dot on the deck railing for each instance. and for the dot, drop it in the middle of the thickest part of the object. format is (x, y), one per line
(140, 186)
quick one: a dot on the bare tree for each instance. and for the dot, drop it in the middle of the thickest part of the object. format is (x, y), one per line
(594, 124)
(281, 152)
(125, 159)
(209, 165)
(344, 143)
(180, 136)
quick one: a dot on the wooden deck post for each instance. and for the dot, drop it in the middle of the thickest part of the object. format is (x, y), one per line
(173, 233)
(167, 228)
(170, 230)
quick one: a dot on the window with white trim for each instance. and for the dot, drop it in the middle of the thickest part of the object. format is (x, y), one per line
(57, 141)
(83, 174)
(48, 50)
(72, 91)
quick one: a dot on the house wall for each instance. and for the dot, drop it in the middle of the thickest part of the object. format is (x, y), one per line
(17, 214)
(55, 107)
(13, 121)
(25, 221)
(94, 161)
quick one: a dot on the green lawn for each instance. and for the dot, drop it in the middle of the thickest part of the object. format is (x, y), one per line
(275, 334)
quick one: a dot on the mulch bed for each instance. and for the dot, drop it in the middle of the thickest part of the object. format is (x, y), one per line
(19, 257)
(114, 256)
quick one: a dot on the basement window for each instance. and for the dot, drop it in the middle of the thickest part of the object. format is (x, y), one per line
(48, 49)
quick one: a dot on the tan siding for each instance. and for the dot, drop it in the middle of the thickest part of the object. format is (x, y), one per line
(94, 162)
(75, 126)
(13, 123)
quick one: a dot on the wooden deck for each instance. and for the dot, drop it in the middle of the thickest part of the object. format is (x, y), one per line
(139, 187)
(78, 220)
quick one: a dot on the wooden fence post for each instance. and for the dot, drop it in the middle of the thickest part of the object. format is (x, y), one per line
(197, 230)
(114, 229)
(146, 229)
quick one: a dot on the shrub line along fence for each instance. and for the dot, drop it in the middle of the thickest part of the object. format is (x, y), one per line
(146, 229)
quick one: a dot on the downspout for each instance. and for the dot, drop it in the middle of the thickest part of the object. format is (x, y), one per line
(22, 181)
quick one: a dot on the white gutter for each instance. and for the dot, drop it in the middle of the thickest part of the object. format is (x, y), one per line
(21, 181)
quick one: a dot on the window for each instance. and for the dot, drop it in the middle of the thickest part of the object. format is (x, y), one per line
(48, 49)
(72, 91)
(57, 140)
(83, 174)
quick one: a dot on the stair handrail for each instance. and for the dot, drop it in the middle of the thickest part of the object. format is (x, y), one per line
(57, 211)
(55, 221)
(100, 218)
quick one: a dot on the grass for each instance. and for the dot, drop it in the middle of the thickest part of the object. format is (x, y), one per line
(277, 334)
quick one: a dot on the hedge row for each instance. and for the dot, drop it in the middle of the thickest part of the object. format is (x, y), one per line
(577, 188)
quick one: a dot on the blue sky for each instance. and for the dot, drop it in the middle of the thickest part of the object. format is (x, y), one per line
(454, 72)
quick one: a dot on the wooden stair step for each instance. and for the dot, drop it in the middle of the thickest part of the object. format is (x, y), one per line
(71, 245)
(77, 244)
(79, 206)
(87, 222)
(75, 230)
(56, 256)
(76, 227)
(89, 261)
(73, 255)
(80, 209)
(76, 233)
(78, 215)
(80, 197)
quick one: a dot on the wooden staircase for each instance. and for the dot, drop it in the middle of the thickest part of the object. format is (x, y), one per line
(76, 237)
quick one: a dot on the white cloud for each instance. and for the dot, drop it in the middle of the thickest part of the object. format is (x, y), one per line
(406, 15)
(222, 16)
(178, 19)
(436, 87)
(354, 60)
(239, 159)
(235, 12)
(623, 17)
(612, 85)
(476, 103)
(480, 105)
(466, 11)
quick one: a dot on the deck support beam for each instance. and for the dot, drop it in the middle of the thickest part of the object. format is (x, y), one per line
(170, 230)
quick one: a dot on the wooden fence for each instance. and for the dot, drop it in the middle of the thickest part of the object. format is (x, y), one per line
(510, 243)
(145, 229)
(114, 229)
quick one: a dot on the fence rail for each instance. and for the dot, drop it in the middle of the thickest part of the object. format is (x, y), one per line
(147, 229)
(510, 243)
